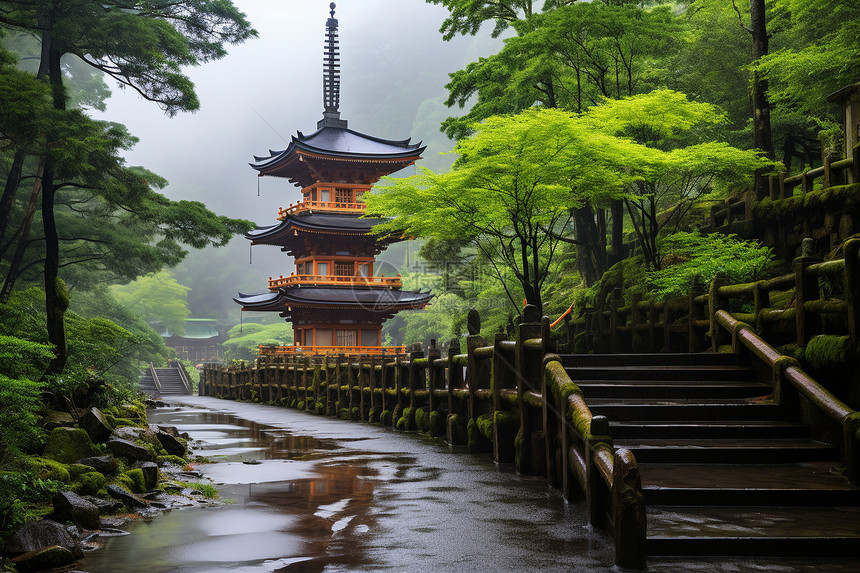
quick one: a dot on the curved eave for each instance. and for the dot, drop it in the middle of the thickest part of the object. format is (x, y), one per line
(369, 299)
(339, 225)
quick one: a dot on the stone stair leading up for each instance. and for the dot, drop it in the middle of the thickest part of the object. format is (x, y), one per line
(170, 380)
(722, 473)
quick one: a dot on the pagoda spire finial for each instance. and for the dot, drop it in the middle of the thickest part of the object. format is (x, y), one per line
(331, 77)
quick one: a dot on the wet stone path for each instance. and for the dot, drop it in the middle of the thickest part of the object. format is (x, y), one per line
(323, 494)
(313, 494)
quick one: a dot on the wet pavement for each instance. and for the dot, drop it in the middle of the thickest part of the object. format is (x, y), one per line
(312, 494)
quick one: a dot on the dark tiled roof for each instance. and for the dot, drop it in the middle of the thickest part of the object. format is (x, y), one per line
(319, 222)
(375, 299)
(342, 143)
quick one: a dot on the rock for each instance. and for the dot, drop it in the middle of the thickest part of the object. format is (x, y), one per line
(69, 506)
(150, 473)
(94, 423)
(68, 445)
(57, 419)
(125, 449)
(106, 506)
(40, 535)
(165, 429)
(102, 464)
(47, 558)
(133, 433)
(171, 445)
(130, 500)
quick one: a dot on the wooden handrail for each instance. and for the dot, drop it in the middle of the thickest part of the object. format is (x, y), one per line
(328, 206)
(335, 280)
(266, 350)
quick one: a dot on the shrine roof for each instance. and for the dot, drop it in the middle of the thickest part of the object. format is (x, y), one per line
(372, 299)
(316, 222)
(338, 143)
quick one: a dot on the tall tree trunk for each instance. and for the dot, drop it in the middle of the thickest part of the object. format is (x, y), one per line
(8, 199)
(616, 209)
(589, 258)
(23, 237)
(56, 298)
(762, 136)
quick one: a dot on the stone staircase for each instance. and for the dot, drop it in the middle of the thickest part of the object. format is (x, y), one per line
(170, 380)
(722, 472)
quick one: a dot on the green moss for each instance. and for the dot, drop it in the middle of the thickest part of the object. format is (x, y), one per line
(827, 352)
(132, 411)
(137, 479)
(48, 469)
(485, 425)
(293, 403)
(422, 422)
(344, 414)
(386, 417)
(300, 405)
(373, 416)
(457, 429)
(436, 423)
(355, 413)
(172, 460)
(68, 445)
(408, 418)
(77, 469)
(90, 483)
(401, 424)
(319, 407)
(125, 482)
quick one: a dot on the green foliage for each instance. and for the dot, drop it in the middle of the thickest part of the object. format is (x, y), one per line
(692, 258)
(18, 491)
(509, 193)
(19, 420)
(818, 54)
(243, 341)
(157, 298)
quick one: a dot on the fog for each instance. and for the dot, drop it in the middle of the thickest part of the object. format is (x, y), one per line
(394, 65)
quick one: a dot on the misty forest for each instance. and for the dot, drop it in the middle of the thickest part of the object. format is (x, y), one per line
(573, 146)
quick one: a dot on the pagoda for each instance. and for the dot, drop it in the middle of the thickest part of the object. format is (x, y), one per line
(334, 300)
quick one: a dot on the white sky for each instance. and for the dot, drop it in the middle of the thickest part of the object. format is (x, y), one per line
(268, 88)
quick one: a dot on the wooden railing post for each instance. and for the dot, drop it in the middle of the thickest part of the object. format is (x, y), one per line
(628, 511)
(715, 303)
(806, 288)
(596, 491)
(528, 379)
(852, 287)
(434, 382)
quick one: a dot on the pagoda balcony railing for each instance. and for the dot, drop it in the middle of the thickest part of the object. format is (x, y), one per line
(335, 280)
(326, 206)
(271, 350)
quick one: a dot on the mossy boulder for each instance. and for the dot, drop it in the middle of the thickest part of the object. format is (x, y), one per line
(68, 445)
(89, 483)
(46, 468)
(96, 425)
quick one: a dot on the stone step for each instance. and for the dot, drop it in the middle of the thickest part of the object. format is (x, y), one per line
(753, 530)
(673, 389)
(798, 484)
(722, 451)
(707, 429)
(689, 410)
(656, 373)
(654, 359)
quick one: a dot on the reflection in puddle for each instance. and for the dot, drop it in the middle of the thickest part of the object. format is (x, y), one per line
(284, 513)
